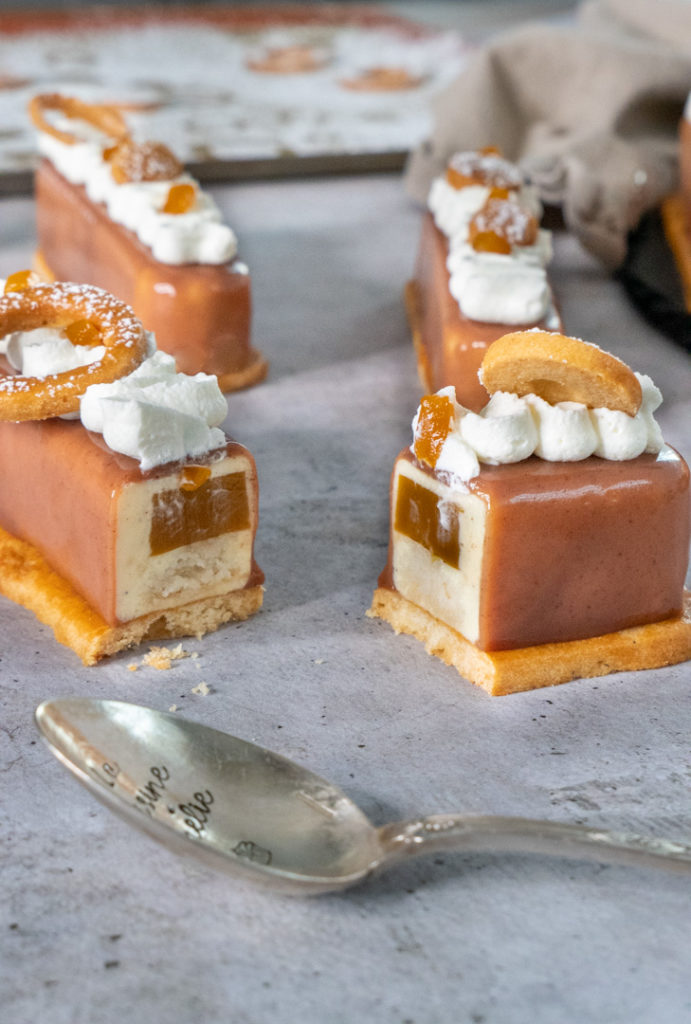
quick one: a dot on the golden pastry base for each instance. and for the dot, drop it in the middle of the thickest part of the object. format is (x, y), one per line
(674, 222)
(27, 579)
(253, 373)
(528, 668)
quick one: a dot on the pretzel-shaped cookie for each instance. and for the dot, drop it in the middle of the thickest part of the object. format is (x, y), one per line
(107, 119)
(64, 305)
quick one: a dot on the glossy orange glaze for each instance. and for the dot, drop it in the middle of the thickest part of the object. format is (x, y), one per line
(574, 550)
(199, 313)
(454, 345)
(60, 486)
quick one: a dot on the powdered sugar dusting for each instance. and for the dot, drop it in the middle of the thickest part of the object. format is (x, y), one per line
(487, 169)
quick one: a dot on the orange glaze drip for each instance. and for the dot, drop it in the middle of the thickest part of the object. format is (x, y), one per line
(181, 199)
(458, 180)
(488, 241)
(435, 421)
(18, 281)
(109, 152)
(498, 193)
(83, 332)
(192, 477)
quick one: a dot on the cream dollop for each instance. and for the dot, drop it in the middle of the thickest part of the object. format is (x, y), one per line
(47, 350)
(156, 415)
(503, 432)
(198, 236)
(512, 428)
(500, 289)
(566, 431)
(509, 288)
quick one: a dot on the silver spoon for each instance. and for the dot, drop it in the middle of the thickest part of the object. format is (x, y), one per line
(251, 812)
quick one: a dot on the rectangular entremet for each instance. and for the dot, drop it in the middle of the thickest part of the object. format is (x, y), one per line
(538, 572)
(537, 552)
(134, 554)
(200, 314)
(449, 346)
(503, 672)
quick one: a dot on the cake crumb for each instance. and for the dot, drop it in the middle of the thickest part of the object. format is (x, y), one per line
(202, 689)
(163, 657)
(173, 707)
(319, 661)
(132, 667)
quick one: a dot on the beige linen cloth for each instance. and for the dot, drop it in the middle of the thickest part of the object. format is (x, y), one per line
(590, 110)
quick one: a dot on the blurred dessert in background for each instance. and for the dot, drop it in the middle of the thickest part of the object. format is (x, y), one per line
(480, 270)
(123, 215)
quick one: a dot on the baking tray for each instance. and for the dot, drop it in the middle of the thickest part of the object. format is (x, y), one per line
(189, 77)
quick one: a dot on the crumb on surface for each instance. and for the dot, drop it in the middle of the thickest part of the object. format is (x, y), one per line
(319, 661)
(163, 657)
(202, 689)
(132, 667)
(173, 707)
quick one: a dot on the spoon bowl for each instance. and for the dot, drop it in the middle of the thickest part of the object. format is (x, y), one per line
(248, 811)
(234, 804)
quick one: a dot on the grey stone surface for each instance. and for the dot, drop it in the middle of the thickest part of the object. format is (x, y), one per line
(99, 925)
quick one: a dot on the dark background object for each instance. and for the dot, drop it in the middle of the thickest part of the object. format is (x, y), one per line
(651, 280)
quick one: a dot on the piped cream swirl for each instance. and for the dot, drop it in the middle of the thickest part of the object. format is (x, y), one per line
(198, 236)
(512, 428)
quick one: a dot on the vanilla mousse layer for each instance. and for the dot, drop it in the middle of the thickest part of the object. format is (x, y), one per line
(200, 313)
(449, 345)
(538, 552)
(129, 543)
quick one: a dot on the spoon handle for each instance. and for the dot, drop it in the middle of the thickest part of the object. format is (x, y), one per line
(496, 834)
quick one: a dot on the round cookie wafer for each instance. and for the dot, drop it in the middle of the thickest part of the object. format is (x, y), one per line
(560, 369)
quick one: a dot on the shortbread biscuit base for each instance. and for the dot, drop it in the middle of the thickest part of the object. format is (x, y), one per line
(412, 307)
(674, 221)
(27, 579)
(528, 668)
(253, 373)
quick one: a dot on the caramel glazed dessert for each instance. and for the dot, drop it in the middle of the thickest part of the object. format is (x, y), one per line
(136, 519)
(545, 538)
(480, 271)
(123, 215)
